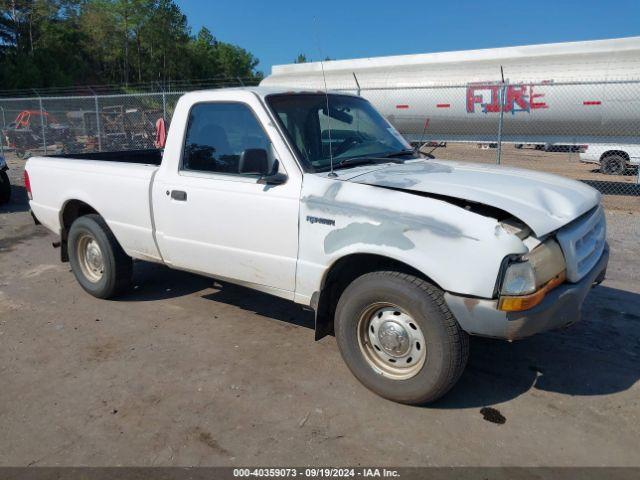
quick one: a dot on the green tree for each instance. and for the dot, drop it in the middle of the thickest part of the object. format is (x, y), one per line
(73, 42)
(235, 61)
(204, 55)
(100, 34)
(39, 39)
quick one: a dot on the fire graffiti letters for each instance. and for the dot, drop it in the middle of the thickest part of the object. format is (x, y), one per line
(518, 98)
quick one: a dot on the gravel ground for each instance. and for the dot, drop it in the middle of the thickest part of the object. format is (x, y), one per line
(187, 371)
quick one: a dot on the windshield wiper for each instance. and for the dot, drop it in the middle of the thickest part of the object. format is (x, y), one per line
(364, 161)
(399, 153)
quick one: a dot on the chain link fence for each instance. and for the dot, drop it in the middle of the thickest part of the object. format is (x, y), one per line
(53, 125)
(588, 131)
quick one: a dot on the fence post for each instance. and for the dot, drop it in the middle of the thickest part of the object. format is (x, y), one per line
(42, 120)
(164, 105)
(95, 98)
(503, 89)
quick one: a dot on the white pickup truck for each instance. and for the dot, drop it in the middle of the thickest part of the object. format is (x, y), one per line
(401, 257)
(613, 159)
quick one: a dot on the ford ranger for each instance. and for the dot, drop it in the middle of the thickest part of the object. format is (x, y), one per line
(316, 198)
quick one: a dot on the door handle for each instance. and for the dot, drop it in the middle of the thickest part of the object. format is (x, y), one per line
(179, 195)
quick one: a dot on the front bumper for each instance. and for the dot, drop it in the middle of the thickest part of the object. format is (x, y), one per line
(561, 307)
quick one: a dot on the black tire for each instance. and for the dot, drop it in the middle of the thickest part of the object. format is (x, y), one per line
(5, 188)
(613, 165)
(447, 345)
(519, 146)
(117, 265)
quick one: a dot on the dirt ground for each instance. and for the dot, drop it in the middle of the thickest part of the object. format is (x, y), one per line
(187, 371)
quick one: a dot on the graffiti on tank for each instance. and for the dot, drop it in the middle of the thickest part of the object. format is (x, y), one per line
(518, 98)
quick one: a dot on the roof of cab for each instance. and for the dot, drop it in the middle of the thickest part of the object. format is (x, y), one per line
(264, 91)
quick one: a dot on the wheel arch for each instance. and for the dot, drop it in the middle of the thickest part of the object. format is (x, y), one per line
(610, 153)
(71, 210)
(341, 273)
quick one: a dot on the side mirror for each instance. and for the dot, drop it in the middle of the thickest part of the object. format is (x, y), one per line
(273, 177)
(254, 161)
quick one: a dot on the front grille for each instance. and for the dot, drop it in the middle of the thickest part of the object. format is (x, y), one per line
(582, 243)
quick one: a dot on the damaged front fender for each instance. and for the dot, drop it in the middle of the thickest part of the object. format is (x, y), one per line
(460, 250)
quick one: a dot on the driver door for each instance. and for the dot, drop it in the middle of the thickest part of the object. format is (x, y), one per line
(210, 218)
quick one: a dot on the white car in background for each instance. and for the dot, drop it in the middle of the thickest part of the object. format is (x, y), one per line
(613, 159)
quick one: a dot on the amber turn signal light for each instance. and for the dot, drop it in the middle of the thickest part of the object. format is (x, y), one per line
(525, 302)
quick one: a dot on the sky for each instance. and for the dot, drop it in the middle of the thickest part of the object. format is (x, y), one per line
(277, 31)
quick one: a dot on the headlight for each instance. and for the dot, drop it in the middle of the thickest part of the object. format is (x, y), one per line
(526, 282)
(519, 279)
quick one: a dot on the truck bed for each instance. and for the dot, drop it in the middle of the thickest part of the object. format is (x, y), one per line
(116, 184)
(151, 156)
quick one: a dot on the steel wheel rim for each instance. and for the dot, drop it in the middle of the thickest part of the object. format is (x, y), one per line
(90, 258)
(615, 167)
(391, 341)
(618, 168)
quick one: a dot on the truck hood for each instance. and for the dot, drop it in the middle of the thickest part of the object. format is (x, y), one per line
(544, 202)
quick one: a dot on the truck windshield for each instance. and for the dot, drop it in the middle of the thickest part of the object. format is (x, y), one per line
(351, 128)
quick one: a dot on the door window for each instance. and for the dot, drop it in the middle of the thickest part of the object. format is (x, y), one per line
(218, 133)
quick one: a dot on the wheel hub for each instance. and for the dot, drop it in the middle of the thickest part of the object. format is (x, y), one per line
(90, 258)
(94, 256)
(393, 338)
(391, 341)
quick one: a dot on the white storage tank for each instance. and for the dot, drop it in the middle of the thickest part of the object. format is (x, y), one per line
(573, 93)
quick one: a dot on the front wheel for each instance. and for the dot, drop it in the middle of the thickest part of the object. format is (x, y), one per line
(613, 165)
(97, 260)
(398, 337)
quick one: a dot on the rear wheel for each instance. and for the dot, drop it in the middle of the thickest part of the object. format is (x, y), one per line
(398, 337)
(613, 165)
(98, 262)
(5, 188)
